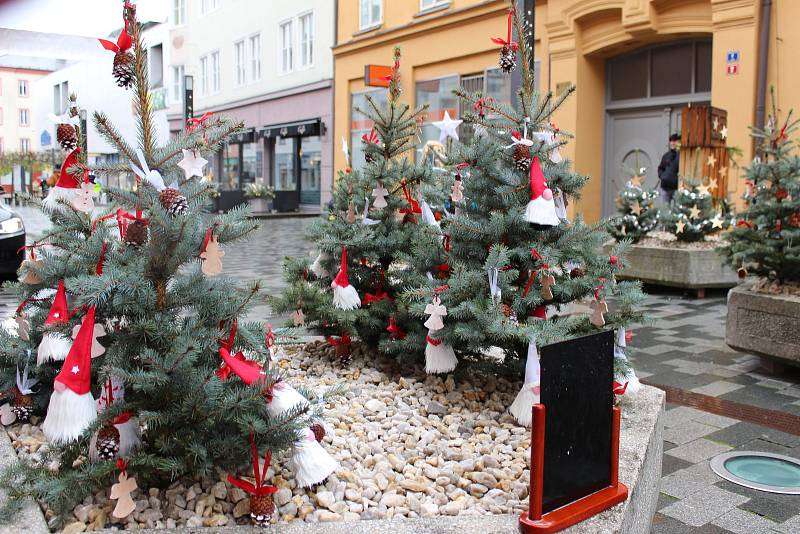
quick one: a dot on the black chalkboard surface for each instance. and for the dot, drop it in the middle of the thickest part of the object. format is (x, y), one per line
(576, 381)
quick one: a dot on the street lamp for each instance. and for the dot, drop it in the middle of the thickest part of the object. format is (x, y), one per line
(188, 98)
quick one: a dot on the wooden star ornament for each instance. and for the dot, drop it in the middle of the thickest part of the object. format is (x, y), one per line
(702, 189)
(636, 208)
(636, 180)
(724, 132)
(680, 227)
(717, 221)
(694, 212)
(711, 161)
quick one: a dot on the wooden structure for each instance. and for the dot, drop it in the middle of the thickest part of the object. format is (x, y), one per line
(704, 153)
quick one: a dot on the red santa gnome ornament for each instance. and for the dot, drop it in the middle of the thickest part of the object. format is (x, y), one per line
(345, 296)
(55, 346)
(72, 408)
(67, 186)
(541, 209)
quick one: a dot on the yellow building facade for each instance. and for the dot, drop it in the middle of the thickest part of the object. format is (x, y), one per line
(636, 64)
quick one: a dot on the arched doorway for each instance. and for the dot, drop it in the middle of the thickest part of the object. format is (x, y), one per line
(645, 91)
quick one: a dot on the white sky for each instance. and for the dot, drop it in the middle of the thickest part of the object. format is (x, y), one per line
(90, 18)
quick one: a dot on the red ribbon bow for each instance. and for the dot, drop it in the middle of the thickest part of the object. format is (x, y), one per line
(124, 41)
(507, 41)
(619, 389)
(259, 488)
(343, 340)
(99, 268)
(378, 296)
(479, 106)
(433, 341)
(270, 339)
(412, 203)
(193, 123)
(536, 256)
(372, 138)
(395, 332)
(602, 282)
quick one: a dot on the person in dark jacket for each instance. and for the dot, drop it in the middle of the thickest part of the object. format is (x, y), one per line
(668, 169)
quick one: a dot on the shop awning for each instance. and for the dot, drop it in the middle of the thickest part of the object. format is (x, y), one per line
(245, 136)
(293, 129)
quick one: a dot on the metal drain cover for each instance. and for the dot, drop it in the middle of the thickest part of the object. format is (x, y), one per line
(759, 470)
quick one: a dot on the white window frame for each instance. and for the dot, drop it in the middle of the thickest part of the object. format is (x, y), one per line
(178, 71)
(301, 44)
(24, 112)
(285, 67)
(204, 75)
(240, 63)
(216, 67)
(369, 24)
(22, 88)
(426, 5)
(255, 56)
(179, 12)
(24, 145)
(207, 6)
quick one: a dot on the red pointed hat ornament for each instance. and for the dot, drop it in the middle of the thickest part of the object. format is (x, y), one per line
(345, 296)
(72, 408)
(53, 345)
(541, 209)
(249, 371)
(67, 185)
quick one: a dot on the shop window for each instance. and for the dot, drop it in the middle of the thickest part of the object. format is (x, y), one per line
(438, 95)
(283, 164)
(361, 124)
(229, 181)
(310, 169)
(252, 162)
(671, 70)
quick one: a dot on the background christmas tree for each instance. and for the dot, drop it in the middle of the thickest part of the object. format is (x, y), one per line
(766, 239)
(518, 267)
(637, 213)
(134, 270)
(694, 213)
(376, 218)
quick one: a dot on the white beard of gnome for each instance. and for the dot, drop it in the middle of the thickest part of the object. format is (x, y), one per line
(66, 187)
(317, 268)
(630, 376)
(529, 394)
(541, 209)
(439, 356)
(345, 296)
(310, 462)
(72, 408)
(55, 346)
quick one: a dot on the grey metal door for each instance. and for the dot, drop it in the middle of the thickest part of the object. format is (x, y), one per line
(634, 139)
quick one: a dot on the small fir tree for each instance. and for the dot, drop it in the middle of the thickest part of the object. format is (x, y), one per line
(637, 213)
(693, 213)
(766, 239)
(517, 265)
(151, 326)
(374, 220)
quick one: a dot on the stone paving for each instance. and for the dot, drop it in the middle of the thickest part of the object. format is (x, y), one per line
(683, 348)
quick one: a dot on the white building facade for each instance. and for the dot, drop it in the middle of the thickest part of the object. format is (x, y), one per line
(268, 64)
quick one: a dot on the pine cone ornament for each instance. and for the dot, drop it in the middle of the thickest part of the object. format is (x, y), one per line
(577, 272)
(172, 201)
(22, 406)
(136, 234)
(319, 431)
(107, 443)
(67, 137)
(123, 69)
(522, 157)
(508, 59)
(261, 509)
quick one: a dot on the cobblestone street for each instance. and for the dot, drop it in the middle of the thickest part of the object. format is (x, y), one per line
(683, 351)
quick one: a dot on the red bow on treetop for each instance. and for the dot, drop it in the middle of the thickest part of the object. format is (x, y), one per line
(371, 138)
(124, 41)
(193, 123)
(507, 41)
(259, 488)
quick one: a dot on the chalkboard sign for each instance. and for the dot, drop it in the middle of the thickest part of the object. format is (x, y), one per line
(576, 381)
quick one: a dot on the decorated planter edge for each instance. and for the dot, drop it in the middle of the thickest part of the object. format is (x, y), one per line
(764, 324)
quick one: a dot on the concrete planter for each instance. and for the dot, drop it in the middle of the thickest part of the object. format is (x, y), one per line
(677, 267)
(260, 205)
(764, 324)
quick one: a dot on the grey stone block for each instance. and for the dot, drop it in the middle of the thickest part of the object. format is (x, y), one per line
(744, 522)
(677, 267)
(703, 506)
(764, 324)
(30, 519)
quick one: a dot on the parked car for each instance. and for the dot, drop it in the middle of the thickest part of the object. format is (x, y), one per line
(12, 239)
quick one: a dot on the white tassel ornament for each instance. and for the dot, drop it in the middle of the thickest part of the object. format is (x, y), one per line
(522, 406)
(439, 356)
(310, 462)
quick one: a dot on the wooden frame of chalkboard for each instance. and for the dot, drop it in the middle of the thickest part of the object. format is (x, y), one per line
(570, 477)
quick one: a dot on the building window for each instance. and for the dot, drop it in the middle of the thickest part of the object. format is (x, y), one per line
(177, 83)
(430, 4)
(361, 124)
(307, 40)
(215, 81)
(23, 88)
(371, 13)
(24, 117)
(255, 57)
(24, 145)
(155, 56)
(252, 162)
(285, 33)
(229, 181)
(283, 164)
(60, 97)
(204, 75)
(179, 12)
(240, 63)
(206, 6)
(310, 169)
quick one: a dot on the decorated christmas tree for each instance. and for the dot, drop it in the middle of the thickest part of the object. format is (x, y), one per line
(518, 268)
(128, 342)
(693, 213)
(766, 239)
(637, 213)
(366, 240)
